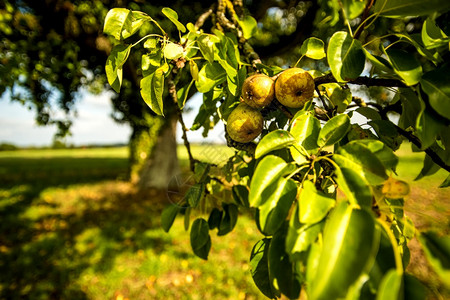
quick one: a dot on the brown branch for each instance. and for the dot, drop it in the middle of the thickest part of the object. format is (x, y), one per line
(204, 16)
(173, 94)
(415, 140)
(364, 80)
(363, 19)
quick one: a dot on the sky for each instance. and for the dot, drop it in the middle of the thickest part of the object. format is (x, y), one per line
(93, 124)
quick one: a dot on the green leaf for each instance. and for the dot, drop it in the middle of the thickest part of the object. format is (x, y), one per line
(278, 200)
(379, 62)
(437, 251)
(358, 157)
(152, 87)
(345, 56)
(305, 129)
(122, 23)
(206, 44)
(383, 152)
(173, 16)
(268, 171)
(349, 248)
(114, 22)
(195, 194)
(432, 35)
(401, 8)
(240, 195)
(387, 133)
(338, 96)
(210, 76)
(114, 65)
(183, 94)
(436, 84)
(214, 218)
(173, 51)
(405, 65)
(313, 205)
(282, 272)
(228, 220)
(259, 267)
(300, 236)
(446, 182)
(334, 130)
(200, 239)
(391, 286)
(274, 140)
(168, 216)
(248, 25)
(355, 186)
(353, 8)
(313, 48)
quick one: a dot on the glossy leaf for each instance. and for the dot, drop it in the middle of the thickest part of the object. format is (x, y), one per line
(358, 157)
(259, 267)
(383, 152)
(282, 271)
(248, 25)
(313, 205)
(349, 241)
(313, 48)
(278, 200)
(200, 239)
(391, 286)
(240, 195)
(432, 35)
(436, 84)
(268, 171)
(300, 236)
(274, 140)
(345, 56)
(206, 44)
(405, 65)
(355, 186)
(210, 76)
(152, 87)
(379, 62)
(121, 23)
(305, 129)
(353, 8)
(173, 16)
(334, 130)
(446, 182)
(168, 216)
(340, 97)
(114, 65)
(437, 251)
(401, 8)
(214, 218)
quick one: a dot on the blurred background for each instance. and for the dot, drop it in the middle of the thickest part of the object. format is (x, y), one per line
(85, 172)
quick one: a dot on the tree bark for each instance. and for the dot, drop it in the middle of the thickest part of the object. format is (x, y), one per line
(153, 156)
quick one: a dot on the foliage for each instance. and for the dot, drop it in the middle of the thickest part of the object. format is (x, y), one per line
(323, 186)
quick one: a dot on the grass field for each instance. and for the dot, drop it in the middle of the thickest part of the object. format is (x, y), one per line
(72, 227)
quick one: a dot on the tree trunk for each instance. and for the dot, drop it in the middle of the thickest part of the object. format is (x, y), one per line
(153, 154)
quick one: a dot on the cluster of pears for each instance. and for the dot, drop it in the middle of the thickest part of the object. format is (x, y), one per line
(292, 88)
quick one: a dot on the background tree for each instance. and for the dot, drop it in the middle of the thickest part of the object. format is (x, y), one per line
(51, 49)
(323, 188)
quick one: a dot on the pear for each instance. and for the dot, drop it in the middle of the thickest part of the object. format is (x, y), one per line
(244, 123)
(294, 87)
(258, 90)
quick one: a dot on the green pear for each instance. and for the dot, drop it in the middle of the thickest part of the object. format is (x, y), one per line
(244, 123)
(294, 87)
(258, 90)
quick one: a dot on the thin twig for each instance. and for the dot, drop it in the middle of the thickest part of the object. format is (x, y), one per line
(173, 93)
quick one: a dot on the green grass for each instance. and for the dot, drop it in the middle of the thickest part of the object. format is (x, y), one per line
(72, 228)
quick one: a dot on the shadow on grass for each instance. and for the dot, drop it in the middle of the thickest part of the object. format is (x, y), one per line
(63, 216)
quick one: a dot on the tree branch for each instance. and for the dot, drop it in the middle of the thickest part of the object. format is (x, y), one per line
(363, 19)
(364, 80)
(415, 140)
